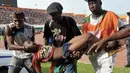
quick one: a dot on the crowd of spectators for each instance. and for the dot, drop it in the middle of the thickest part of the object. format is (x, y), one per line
(33, 16)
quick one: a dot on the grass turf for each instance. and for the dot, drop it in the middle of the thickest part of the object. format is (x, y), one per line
(86, 68)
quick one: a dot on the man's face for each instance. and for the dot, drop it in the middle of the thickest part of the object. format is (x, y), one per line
(94, 6)
(18, 22)
(56, 16)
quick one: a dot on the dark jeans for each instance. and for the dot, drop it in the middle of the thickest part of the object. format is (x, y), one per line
(128, 53)
(68, 63)
(67, 68)
(70, 68)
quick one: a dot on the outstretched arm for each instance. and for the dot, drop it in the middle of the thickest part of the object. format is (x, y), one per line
(116, 36)
(119, 35)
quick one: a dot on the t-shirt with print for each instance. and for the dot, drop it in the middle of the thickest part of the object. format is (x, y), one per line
(62, 31)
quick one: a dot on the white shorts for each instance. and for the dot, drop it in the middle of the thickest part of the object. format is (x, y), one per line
(101, 62)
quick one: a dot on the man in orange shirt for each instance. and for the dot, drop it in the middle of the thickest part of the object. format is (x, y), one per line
(102, 24)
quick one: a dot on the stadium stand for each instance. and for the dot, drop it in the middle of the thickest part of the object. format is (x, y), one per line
(33, 16)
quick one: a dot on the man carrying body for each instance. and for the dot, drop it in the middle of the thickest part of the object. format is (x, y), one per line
(102, 24)
(17, 33)
(59, 30)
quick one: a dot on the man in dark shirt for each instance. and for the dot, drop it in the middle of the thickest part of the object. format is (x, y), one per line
(58, 31)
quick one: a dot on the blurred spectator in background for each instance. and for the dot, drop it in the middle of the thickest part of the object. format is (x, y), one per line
(128, 43)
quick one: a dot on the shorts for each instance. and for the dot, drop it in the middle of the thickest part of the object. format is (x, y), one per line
(66, 51)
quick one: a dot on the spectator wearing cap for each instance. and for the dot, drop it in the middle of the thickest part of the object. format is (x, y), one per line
(57, 31)
(102, 24)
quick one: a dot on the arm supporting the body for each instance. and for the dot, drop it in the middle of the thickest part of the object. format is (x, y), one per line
(119, 35)
(10, 40)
